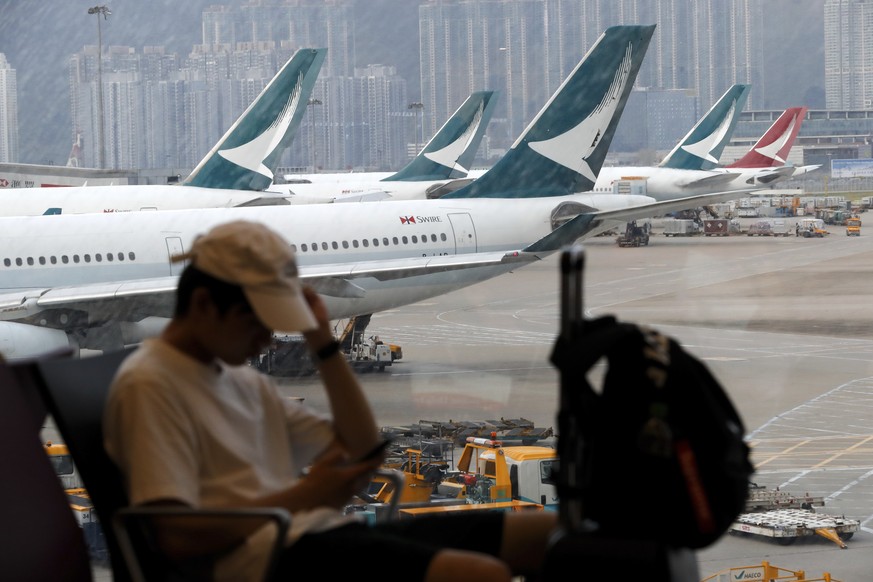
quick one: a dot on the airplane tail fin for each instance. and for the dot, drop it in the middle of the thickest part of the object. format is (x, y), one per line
(449, 154)
(773, 147)
(701, 147)
(247, 156)
(562, 150)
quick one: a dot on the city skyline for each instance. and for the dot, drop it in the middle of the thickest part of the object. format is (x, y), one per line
(44, 123)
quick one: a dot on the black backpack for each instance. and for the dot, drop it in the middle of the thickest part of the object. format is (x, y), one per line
(658, 453)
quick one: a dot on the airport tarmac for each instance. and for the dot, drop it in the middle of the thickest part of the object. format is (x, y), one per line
(785, 323)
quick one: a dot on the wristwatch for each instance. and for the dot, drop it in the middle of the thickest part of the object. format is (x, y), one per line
(326, 352)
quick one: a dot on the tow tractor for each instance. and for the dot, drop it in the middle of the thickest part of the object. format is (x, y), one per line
(634, 236)
(489, 477)
(287, 354)
(785, 517)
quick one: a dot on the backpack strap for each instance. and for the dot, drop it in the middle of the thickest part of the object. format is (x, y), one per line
(588, 342)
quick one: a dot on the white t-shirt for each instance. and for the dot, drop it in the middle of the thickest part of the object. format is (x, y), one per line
(211, 437)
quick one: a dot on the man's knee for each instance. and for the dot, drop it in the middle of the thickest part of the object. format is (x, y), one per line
(460, 566)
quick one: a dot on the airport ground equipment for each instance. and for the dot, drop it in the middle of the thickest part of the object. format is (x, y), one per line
(633, 236)
(716, 227)
(510, 431)
(287, 355)
(853, 226)
(786, 525)
(488, 476)
(811, 228)
(784, 517)
(766, 571)
(681, 227)
(760, 228)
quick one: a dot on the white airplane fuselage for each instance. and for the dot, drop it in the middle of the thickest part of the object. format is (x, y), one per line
(332, 241)
(124, 198)
(665, 184)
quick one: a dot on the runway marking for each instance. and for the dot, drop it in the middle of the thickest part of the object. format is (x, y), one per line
(862, 386)
(471, 371)
(844, 452)
(830, 427)
(460, 334)
(781, 454)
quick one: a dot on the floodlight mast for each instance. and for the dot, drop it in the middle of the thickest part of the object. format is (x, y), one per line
(98, 10)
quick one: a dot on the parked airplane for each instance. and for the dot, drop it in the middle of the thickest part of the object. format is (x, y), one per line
(770, 152)
(95, 280)
(234, 173)
(753, 169)
(702, 147)
(441, 165)
(699, 149)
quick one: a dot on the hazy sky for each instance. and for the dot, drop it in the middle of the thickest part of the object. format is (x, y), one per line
(38, 37)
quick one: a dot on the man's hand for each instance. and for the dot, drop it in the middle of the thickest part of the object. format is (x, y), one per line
(332, 480)
(321, 336)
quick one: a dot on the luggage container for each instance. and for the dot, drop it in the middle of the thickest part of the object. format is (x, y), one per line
(681, 227)
(716, 227)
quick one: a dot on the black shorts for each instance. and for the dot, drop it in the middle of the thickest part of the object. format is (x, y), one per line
(399, 550)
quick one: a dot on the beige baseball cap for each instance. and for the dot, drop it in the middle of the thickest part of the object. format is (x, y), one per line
(256, 258)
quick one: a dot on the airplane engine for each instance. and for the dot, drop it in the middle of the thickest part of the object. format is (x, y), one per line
(20, 340)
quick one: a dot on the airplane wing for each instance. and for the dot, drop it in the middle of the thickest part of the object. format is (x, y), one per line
(95, 304)
(266, 199)
(713, 181)
(90, 305)
(589, 223)
(768, 175)
(800, 170)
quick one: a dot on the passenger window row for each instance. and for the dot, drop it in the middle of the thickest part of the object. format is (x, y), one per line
(384, 241)
(75, 259)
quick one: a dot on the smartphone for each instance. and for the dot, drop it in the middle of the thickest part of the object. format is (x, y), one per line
(374, 452)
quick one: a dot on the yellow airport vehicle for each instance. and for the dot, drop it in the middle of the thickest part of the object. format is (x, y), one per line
(853, 226)
(811, 227)
(766, 571)
(489, 476)
(62, 463)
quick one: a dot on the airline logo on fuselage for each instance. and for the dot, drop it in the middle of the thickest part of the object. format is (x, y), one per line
(419, 219)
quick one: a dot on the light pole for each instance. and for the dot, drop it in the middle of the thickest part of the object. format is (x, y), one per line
(98, 10)
(418, 106)
(314, 101)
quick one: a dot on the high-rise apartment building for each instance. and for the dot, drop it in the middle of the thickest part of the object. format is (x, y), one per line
(525, 49)
(848, 52)
(8, 112)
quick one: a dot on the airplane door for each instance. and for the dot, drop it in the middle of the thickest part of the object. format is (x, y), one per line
(465, 233)
(174, 247)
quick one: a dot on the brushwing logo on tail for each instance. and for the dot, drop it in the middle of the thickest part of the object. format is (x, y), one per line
(771, 150)
(251, 155)
(564, 149)
(703, 148)
(449, 155)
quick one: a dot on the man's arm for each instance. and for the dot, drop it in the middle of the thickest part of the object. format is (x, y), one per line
(354, 422)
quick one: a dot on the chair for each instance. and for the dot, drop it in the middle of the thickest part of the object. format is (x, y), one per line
(75, 393)
(43, 540)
